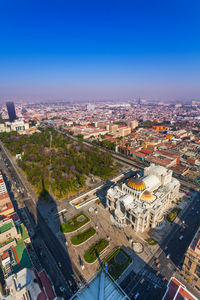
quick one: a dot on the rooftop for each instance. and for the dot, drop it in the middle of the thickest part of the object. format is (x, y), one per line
(177, 291)
(5, 227)
(195, 244)
(101, 286)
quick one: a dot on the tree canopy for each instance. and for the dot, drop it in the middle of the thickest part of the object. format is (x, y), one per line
(64, 165)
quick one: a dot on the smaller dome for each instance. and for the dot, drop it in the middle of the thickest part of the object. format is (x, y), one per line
(147, 196)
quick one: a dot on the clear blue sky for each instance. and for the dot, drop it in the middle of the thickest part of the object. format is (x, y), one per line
(99, 49)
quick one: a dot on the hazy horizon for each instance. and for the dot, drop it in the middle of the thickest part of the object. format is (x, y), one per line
(99, 50)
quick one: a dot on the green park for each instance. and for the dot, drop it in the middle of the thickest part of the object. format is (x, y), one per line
(118, 260)
(74, 223)
(54, 163)
(83, 236)
(95, 250)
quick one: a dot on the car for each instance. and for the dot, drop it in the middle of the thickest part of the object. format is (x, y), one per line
(137, 295)
(181, 237)
(59, 264)
(70, 283)
(168, 256)
(61, 288)
(155, 286)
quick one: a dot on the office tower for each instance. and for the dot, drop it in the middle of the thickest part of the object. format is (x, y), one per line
(11, 111)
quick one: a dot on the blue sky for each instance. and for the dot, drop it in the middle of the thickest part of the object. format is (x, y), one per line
(99, 49)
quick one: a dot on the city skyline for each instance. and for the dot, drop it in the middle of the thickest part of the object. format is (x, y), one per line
(93, 51)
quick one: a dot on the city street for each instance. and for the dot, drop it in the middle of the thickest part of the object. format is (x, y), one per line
(155, 275)
(168, 259)
(61, 267)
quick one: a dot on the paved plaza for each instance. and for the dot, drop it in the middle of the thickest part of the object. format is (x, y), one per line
(117, 237)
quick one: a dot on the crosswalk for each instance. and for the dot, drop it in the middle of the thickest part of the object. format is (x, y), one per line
(154, 279)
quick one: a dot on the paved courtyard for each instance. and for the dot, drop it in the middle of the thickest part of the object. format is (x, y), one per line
(118, 237)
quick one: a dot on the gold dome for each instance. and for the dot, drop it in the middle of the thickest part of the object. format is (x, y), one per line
(137, 185)
(147, 196)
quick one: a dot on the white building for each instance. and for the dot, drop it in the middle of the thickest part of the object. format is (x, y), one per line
(142, 202)
(25, 285)
(17, 125)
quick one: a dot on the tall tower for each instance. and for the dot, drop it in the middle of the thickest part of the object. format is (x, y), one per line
(139, 101)
(11, 111)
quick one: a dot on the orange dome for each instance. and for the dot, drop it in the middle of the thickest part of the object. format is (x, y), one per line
(137, 185)
(147, 196)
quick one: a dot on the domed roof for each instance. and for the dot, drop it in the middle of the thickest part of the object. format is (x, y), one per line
(147, 196)
(137, 184)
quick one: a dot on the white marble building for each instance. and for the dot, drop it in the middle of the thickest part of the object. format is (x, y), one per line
(142, 202)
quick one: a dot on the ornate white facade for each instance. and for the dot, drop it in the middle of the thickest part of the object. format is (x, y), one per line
(142, 202)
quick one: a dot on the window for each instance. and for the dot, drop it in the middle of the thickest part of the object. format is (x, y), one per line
(189, 263)
(197, 271)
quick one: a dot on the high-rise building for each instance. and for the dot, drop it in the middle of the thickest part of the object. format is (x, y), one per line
(11, 111)
(100, 286)
(191, 265)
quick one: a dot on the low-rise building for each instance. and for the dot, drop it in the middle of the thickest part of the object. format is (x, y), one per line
(17, 125)
(177, 291)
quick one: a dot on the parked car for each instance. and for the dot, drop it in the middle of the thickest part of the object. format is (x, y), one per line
(137, 295)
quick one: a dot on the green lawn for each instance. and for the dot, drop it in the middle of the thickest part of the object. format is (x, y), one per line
(173, 214)
(83, 236)
(21, 229)
(23, 256)
(6, 243)
(151, 242)
(5, 227)
(74, 223)
(118, 260)
(95, 250)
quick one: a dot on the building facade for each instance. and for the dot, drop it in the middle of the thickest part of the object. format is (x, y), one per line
(191, 265)
(11, 111)
(142, 202)
(17, 125)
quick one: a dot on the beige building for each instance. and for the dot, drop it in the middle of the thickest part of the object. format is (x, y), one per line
(133, 124)
(191, 265)
(142, 202)
(113, 128)
(124, 131)
(8, 235)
